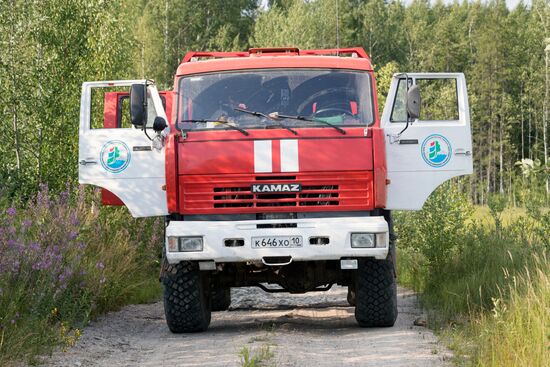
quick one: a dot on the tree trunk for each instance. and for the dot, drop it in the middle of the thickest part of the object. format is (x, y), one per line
(522, 123)
(14, 112)
(545, 117)
(500, 157)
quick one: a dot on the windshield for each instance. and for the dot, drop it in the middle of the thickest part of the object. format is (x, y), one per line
(276, 96)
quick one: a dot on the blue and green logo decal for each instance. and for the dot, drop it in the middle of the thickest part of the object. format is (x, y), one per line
(436, 150)
(115, 156)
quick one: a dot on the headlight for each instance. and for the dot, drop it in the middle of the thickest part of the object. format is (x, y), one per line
(185, 244)
(363, 240)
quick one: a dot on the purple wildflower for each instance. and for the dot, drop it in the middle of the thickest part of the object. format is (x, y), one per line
(42, 197)
(64, 197)
(100, 265)
(35, 247)
(73, 235)
(15, 266)
(67, 272)
(73, 219)
(11, 211)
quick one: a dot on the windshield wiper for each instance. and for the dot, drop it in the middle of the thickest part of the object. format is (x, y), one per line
(275, 117)
(226, 123)
(303, 118)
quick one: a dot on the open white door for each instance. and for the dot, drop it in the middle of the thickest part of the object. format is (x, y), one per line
(435, 147)
(122, 160)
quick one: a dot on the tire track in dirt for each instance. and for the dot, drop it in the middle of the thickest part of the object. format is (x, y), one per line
(315, 329)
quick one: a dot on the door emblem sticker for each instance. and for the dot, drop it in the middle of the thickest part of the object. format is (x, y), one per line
(436, 150)
(115, 156)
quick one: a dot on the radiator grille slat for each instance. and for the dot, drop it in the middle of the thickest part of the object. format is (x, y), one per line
(337, 191)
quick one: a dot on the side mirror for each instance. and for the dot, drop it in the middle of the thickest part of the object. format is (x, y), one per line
(413, 102)
(138, 95)
(159, 124)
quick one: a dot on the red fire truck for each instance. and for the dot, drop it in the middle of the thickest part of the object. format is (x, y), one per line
(273, 168)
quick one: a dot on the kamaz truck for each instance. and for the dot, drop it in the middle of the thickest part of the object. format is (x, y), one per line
(275, 168)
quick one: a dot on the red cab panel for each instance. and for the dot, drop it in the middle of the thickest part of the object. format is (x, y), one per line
(321, 154)
(112, 117)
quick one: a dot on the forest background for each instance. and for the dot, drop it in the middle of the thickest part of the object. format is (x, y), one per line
(50, 47)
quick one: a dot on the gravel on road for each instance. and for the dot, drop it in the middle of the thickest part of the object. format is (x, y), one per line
(314, 329)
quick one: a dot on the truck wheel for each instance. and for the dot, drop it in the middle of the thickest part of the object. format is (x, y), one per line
(351, 295)
(221, 299)
(376, 293)
(186, 298)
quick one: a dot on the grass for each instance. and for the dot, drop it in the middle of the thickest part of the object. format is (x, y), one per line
(62, 263)
(516, 331)
(146, 290)
(484, 273)
(482, 214)
(256, 357)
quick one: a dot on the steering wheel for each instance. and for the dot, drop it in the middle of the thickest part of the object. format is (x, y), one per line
(336, 110)
(329, 99)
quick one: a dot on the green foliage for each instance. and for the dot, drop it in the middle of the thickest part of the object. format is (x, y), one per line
(488, 279)
(63, 262)
(459, 263)
(47, 49)
(259, 357)
(166, 29)
(436, 231)
(302, 24)
(516, 332)
(383, 81)
(497, 204)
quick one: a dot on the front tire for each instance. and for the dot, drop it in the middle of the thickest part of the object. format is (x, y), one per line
(375, 293)
(186, 298)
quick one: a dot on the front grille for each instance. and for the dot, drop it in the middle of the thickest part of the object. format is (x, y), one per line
(310, 196)
(232, 193)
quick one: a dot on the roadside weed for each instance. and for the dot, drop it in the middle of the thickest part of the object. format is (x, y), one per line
(485, 280)
(63, 262)
(256, 357)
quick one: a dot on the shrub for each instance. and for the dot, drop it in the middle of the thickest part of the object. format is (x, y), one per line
(63, 261)
(460, 264)
(489, 280)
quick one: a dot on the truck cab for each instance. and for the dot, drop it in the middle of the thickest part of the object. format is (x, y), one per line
(274, 169)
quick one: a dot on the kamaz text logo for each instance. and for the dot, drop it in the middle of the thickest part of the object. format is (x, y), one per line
(269, 188)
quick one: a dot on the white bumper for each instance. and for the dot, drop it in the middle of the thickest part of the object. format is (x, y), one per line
(338, 230)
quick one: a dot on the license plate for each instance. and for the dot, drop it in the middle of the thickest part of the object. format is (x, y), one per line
(277, 242)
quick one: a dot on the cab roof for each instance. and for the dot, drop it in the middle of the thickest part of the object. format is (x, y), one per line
(261, 58)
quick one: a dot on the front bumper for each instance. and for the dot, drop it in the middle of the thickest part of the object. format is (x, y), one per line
(338, 230)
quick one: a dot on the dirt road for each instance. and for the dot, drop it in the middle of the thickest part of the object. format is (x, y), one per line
(316, 329)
